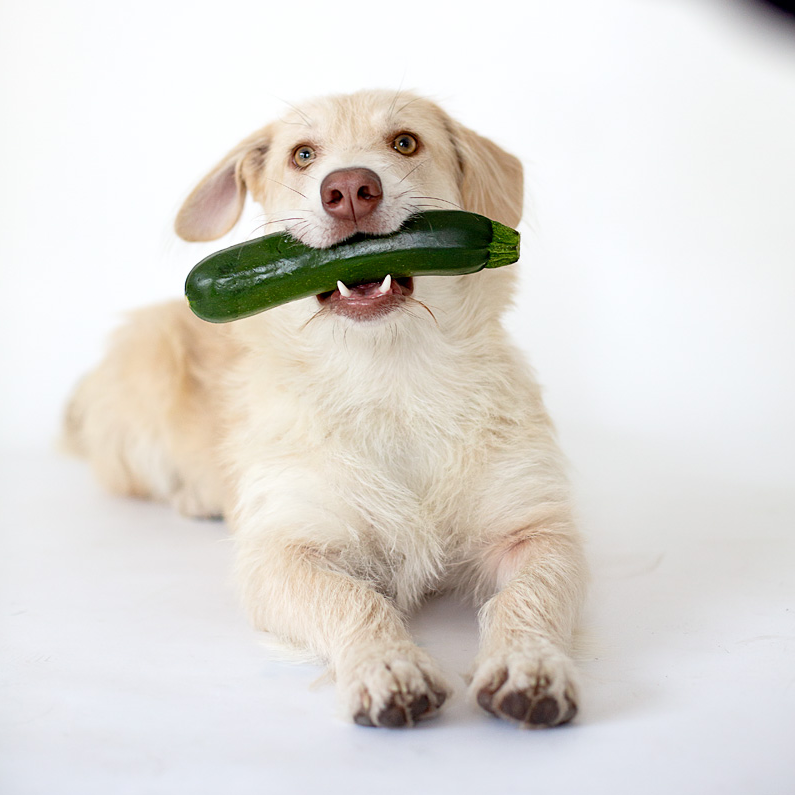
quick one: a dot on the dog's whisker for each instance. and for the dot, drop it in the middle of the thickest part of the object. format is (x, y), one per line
(281, 220)
(294, 190)
(391, 108)
(439, 199)
(410, 303)
(299, 228)
(402, 194)
(416, 99)
(307, 121)
(323, 310)
(421, 163)
(262, 226)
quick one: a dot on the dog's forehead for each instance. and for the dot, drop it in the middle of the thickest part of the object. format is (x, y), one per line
(364, 117)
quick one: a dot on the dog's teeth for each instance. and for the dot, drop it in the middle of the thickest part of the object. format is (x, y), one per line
(344, 291)
(386, 285)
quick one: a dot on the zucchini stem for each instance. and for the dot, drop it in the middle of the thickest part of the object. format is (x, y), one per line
(504, 248)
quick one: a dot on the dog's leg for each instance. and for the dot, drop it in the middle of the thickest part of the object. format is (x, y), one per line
(523, 672)
(295, 591)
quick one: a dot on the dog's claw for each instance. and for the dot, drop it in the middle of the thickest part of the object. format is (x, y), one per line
(363, 719)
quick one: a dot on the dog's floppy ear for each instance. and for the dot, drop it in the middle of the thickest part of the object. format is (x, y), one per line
(215, 204)
(491, 179)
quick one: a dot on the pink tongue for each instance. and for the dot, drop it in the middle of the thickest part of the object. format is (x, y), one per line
(365, 290)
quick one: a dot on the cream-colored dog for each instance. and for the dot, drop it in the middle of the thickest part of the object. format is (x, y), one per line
(369, 446)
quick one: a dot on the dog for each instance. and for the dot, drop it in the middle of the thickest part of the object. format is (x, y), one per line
(370, 446)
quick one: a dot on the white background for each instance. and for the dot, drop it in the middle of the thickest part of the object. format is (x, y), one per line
(656, 305)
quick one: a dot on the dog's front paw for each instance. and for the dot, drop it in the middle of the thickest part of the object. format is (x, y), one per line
(392, 687)
(534, 687)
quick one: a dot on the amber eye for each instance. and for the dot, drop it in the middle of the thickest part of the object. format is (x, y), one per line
(406, 144)
(303, 155)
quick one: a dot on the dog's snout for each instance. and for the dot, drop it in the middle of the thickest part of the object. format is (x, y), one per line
(351, 194)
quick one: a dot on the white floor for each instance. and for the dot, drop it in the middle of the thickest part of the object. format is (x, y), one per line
(128, 666)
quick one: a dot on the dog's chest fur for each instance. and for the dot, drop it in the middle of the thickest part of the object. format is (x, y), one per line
(388, 441)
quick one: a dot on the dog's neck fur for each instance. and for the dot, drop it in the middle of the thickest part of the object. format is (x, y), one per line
(408, 393)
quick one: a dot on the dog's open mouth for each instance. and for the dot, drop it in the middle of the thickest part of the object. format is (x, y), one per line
(368, 300)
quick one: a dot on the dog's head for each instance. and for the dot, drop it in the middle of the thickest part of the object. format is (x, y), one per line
(364, 163)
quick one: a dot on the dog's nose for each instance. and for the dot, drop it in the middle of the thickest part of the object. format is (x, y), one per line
(351, 194)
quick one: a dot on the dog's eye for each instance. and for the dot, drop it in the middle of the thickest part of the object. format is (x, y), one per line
(303, 155)
(406, 144)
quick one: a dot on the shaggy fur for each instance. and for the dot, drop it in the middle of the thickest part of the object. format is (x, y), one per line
(362, 463)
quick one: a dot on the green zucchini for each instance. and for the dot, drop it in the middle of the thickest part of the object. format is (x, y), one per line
(250, 277)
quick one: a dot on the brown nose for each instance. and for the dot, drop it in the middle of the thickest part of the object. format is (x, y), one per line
(351, 194)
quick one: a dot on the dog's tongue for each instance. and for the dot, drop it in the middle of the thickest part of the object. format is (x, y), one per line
(370, 289)
(367, 300)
